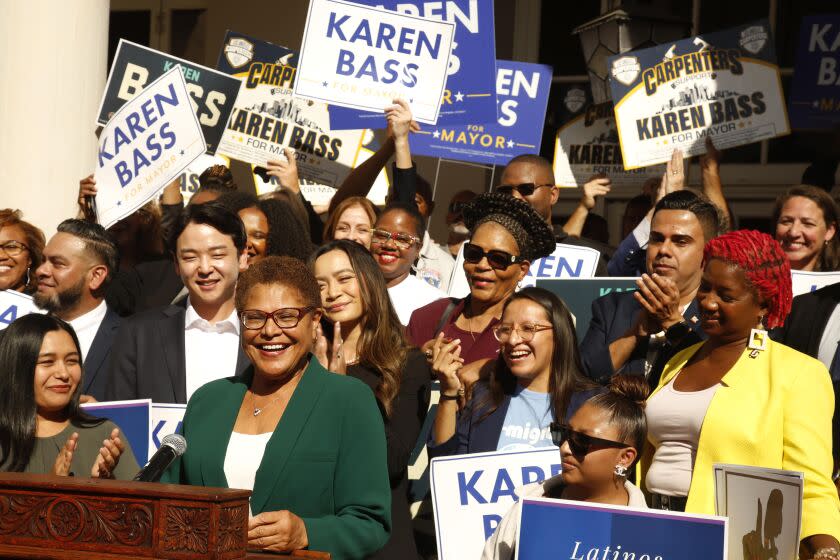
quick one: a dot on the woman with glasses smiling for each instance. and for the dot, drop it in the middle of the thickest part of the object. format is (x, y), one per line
(598, 447)
(536, 380)
(21, 252)
(309, 444)
(507, 235)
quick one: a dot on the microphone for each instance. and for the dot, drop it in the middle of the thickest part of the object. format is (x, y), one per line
(172, 447)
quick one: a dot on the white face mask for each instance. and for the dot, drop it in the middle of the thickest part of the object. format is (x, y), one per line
(459, 228)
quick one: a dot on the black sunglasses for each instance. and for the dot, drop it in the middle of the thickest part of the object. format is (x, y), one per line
(579, 443)
(525, 189)
(499, 260)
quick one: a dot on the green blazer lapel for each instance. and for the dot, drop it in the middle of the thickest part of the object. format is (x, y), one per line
(217, 428)
(282, 443)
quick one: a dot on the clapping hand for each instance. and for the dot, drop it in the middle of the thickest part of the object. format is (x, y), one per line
(336, 362)
(280, 531)
(65, 456)
(446, 361)
(109, 456)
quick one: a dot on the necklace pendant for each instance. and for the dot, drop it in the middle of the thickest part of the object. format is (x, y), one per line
(257, 411)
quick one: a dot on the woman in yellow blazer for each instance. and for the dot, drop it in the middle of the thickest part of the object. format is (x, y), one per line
(741, 398)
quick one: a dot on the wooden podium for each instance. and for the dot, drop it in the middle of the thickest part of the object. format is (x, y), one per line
(43, 516)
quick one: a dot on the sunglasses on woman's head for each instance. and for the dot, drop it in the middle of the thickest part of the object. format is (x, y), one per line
(579, 443)
(525, 189)
(499, 260)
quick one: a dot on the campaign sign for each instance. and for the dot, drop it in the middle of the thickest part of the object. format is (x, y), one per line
(586, 531)
(166, 419)
(471, 494)
(724, 86)
(804, 281)
(145, 145)
(468, 97)
(587, 142)
(815, 88)
(132, 417)
(212, 93)
(567, 261)
(362, 58)
(268, 118)
(522, 92)
(579, 293)
(188, 179)
(13, 305)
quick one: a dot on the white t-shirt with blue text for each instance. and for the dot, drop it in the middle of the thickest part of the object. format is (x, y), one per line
(527, 421)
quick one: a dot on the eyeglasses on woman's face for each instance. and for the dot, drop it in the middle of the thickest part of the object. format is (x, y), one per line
(499, 260)
(401, 240)
(579, 443)
(285, 318)
(13, 248)
(526, 331)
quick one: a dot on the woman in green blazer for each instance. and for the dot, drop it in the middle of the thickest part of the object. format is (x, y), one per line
(308, 443)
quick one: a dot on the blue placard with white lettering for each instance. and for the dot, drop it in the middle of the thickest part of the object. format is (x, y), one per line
(134, 420)
(584, 531)
(815, 89)
(522, 95)
(470, 87)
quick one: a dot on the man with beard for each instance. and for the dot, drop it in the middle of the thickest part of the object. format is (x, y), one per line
(79, 262)
(638, 332)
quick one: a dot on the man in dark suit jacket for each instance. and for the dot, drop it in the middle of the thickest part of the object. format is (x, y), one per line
(167, 353)
(79, 262)
(638, 332)
(813, 328)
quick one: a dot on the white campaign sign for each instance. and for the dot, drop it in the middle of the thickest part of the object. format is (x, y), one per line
(471, 494)
(567, 261)
(165, 419)
(13, 305)
(804, 282)
(362, 58)
(145, 145)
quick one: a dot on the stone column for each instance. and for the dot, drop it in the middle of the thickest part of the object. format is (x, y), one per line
(53, 56)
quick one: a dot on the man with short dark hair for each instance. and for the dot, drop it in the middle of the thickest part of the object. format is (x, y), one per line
(79, 262)
(530, 177)
(167, 353)
(638, 332)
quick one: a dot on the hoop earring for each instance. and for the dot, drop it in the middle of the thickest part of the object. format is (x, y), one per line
(758, 339)
(620, 471)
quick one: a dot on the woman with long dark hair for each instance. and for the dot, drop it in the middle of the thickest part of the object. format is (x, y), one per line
(536, 380)
(42, 428)
(368, 342)
(806, 221)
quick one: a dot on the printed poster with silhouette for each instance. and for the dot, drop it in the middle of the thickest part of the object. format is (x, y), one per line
(725, 86)
(764, 507)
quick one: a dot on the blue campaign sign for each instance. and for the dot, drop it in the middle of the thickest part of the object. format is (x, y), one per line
(583, 531)
(470, 88)
(134, 420)
(522, 96)
(815, 91)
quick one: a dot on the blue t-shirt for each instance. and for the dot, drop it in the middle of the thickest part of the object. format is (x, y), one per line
(527, 422)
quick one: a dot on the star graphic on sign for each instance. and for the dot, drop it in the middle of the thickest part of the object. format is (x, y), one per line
(459, 96)
(119, 202)
(510, 143)
(436, 134)
(182, 152)
(325, 84)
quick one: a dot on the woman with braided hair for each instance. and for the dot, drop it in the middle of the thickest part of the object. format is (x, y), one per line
(741, 398)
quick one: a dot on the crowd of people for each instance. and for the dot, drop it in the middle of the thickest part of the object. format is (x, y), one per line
(305, 346)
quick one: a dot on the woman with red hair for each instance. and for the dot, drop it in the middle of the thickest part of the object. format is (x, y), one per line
(741, 398)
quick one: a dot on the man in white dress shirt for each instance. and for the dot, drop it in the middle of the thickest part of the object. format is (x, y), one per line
(167, 353)
(79, 262)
